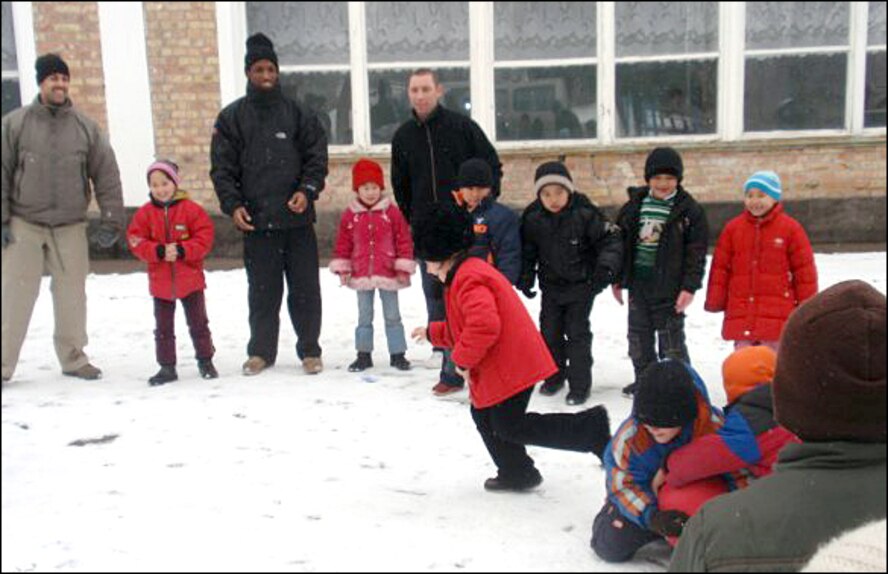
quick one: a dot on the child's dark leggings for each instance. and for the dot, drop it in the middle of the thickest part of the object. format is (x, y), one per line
(615, 538)
(198, 326)
(656, 331)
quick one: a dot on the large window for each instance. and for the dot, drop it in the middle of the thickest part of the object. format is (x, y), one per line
(11, 94)
(666, 68)
(796, 65)
(404, 36)
(537, 95)
(311, 41)
(874, 104)
(562, 73)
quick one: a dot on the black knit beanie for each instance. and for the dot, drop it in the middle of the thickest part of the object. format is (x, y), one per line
(663, 160)
(553, 172)
(475, 173)
(259, 47)
(49, 64)
(442, 231)
(666, 396)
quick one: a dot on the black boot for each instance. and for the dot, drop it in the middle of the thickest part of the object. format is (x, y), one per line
(521, 483)
(550, 388)
(166, 374)
(400, 362)
(577, 396)
(206, 369)
(629, 390)
(597, 429)
(363, 362)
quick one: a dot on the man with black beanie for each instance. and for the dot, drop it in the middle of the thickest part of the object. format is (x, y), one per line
(54, 159)
(665, 236)
(269, 162)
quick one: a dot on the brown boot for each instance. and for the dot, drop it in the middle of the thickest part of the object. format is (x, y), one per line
(312, 365)
(87, 372)
(254, 365)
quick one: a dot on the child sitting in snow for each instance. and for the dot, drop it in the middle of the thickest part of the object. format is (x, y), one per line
(174, 235)
(374, 251)
(762, 268)
(746, 446)
(670, 409)
(497, 348)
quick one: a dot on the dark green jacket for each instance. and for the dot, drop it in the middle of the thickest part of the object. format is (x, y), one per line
(817, 491)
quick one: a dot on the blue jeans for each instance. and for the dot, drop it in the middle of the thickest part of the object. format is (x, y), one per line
(394, 328)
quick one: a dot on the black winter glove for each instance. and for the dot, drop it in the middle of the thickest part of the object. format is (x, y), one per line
(106, 236)
(8, 237)
(668, 522)
(601, 279)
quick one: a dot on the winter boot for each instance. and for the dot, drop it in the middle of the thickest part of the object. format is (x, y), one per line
(206, 369)
(629, 390)
(597, 428)
(363, 362)
(527, 481)
(166, 374)
(550, 388)
(400, 362)
(577, 397)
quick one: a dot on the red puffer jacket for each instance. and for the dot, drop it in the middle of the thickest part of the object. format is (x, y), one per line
(763, 268)
(491, 334)
(374, 247)
(184, 223)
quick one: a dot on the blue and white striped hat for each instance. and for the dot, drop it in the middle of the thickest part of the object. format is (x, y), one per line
(766, 181)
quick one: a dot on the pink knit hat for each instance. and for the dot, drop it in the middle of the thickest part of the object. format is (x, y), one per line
(167, 167)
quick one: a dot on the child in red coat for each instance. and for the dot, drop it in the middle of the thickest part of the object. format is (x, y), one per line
(762, 269)
(497, 348)
(374, 251)
(174, 235)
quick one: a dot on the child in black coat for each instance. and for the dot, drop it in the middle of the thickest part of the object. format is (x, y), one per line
(576, 252)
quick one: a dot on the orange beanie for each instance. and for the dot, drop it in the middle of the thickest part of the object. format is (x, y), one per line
(747, 368)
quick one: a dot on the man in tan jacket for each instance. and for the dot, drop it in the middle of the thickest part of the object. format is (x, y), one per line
(53, 159)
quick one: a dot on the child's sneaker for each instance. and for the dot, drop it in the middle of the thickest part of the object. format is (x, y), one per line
(434, 362)
(363, 362)
(442, 389)
(166, 374)
(400, 362)
(550, 388)
(254, 365)
(312, 365)
(206, 369)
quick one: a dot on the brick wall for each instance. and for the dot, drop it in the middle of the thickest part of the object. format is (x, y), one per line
(71, 29)
(183, 64)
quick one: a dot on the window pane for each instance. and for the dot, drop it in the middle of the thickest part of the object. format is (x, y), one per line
(659, 28)
(874, 109)
(796, 24)
(546, 103)
(663, 98)
(542, 30)
(303, 32)
(795, 92)
(876, 23)
(328, 94)
(389, 106)
(416, 32)
(12, 97)
(9, 58)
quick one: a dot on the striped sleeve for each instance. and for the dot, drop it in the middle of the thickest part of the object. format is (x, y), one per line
(630, 469)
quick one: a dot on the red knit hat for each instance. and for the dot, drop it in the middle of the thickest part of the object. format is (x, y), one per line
(367, 171)
(746, 369)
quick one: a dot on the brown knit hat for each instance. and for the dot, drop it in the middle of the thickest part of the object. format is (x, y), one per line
(830, 378)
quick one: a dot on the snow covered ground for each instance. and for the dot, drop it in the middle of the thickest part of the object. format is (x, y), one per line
(286, 471)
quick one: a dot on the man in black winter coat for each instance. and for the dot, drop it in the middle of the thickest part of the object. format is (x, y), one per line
(427, 151)
(664, 258)
(269, 161)
(576, 252)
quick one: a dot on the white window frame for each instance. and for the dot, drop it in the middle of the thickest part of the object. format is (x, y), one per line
(730, 58)
(25, 51)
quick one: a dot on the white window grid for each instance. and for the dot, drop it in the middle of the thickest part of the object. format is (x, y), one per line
(730, 57)
(25, 50)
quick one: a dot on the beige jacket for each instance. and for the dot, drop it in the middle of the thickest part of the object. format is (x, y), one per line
(50, 157)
